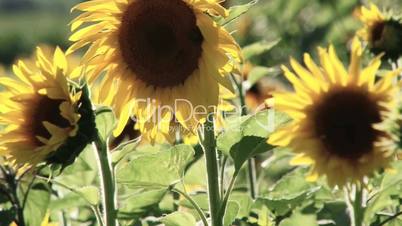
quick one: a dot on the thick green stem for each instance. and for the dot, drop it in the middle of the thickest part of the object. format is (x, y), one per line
(355, 205)
(107, 181)
(209, 146)
(358, 209)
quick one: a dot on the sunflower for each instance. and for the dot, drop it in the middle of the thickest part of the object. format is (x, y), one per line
(155, 52)
(38, 111)
(336, 113)
(382, 32)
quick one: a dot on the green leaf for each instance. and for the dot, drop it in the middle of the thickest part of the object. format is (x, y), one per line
(258, 48)
(259, 72)
(380, 201)
(261, 124)
(91, 194)
(88, 195)
(247, 136)
(297, 218)
(179, 219)
(335, 212)
(232, 211)
(383, 198)
(288, 193)
(201, 199)
(236, 11)
(264, 218)
(155, 170)
(138, 200)
(245, 202)
(105, 121)
(37, 203)
(82, 173)
(123, 150)
(247, 148)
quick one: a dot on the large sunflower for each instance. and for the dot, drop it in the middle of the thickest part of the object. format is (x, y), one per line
(156, 50)
(335, 116)
(382, 32)
(38, 111)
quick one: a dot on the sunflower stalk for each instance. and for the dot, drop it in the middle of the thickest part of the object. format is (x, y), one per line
(355, 204)
(107, 181)
(209, 147)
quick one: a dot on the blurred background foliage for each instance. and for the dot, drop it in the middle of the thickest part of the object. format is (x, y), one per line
(300, 24)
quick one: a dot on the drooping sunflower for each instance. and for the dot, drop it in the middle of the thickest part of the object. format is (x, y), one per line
(39, 110)
(336, 113)
(382, 32)
(156, 52)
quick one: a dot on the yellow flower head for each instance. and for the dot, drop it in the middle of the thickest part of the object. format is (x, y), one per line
(155, 52)
(38, 111)
(381, 32)
(373, 21)
(335, 115)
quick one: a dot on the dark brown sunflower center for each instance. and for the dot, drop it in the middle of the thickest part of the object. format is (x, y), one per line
(377, 31)
(160, 41)
(344, 121)
(44, 109)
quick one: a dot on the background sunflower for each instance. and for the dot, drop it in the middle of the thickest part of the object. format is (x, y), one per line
(38, 110)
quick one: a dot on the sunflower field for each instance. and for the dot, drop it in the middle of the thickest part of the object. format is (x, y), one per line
(200, 113)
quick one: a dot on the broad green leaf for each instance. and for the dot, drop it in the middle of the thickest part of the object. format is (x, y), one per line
(380, 201)
(277, 165)
(235, 12)
(90, 194)
(123, 150)
(83, 172)
(247, 148)
(383, 198)
(155, 170)
(258, 48)
(232, 210)
(264, 218)
(86, 196)
(297, 218)
(140, 199)
(201, 199)
(335, 212)
(261, 124)
(105, 121)
(259, 72)
(393, 178)
(195, 176)
(179, 219)
(37, 203)
(245, 202)
(288, 193)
